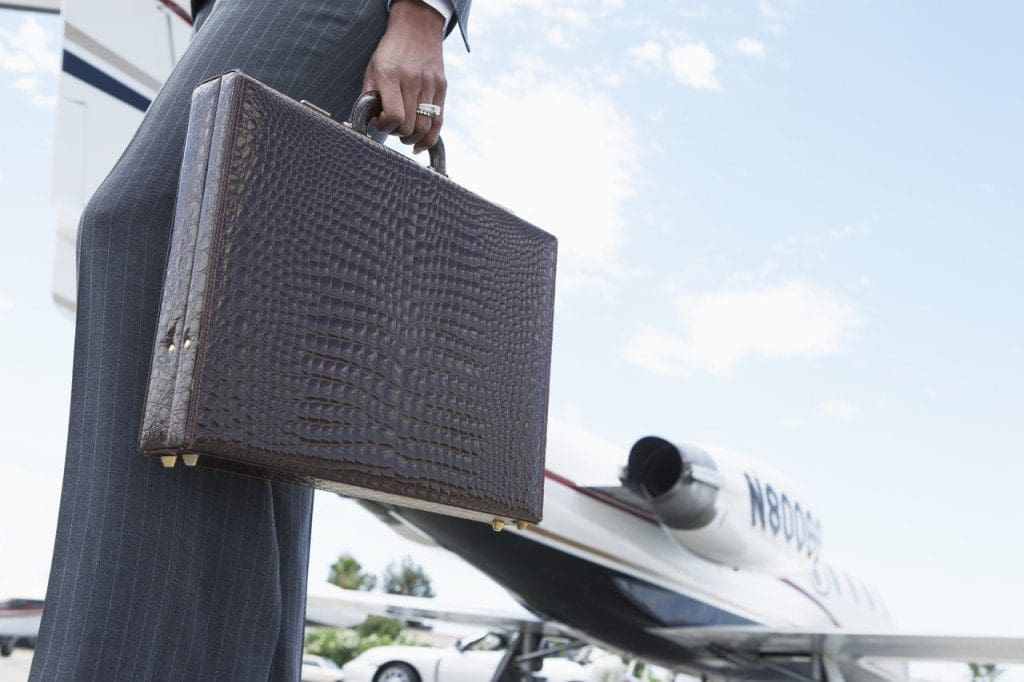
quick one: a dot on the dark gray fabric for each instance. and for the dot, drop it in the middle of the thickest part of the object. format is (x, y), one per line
(461, 15)
(188, 573)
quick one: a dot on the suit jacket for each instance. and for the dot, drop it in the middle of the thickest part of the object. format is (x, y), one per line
(460, 16)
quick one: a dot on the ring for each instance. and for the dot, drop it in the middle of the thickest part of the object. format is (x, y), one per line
(427, 109)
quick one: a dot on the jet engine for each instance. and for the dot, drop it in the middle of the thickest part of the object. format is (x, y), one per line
(724, 508)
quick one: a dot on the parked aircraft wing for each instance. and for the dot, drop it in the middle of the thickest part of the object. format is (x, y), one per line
(851, 645)
(394, 522)
(855, 656)
(328, 604)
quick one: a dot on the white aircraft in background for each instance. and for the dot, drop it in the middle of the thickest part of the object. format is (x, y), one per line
(702, 562)
(19, 620)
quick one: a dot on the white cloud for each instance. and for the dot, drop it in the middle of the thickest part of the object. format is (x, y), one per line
(567, 17)
(717, 331)
(751, 47)
(694, 65)
(556, 37)
(766, 9)
(5, 303)
(838, 408)
(813, 245)
(574, 450)
(27, 50)
(570, 181)
(27, 84)
(29, 507)
(46, 101)
(650, 53)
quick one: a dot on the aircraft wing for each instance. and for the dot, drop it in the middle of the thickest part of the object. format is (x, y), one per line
(328, 604)
(844, 655)
(850, 645)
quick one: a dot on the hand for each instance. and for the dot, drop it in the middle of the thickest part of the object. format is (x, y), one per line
(408, 68)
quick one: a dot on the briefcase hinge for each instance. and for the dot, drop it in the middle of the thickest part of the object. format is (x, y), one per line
(315, 108)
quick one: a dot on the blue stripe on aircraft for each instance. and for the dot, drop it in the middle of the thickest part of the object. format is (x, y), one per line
(87, 73)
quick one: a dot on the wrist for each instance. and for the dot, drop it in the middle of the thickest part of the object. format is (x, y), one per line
(418, 14)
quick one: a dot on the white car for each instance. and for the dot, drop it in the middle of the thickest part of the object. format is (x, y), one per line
(468, 661)
(320, 669)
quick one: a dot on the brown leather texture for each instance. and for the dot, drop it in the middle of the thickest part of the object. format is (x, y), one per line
(336, 315)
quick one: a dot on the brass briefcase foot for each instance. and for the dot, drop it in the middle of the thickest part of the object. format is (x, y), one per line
(497, 525)
(169, 461)
(190, 460)
(522, 525)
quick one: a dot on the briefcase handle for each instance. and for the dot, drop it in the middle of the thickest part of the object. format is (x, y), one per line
(368, 105)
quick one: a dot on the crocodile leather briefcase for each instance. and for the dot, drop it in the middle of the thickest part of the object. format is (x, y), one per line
(337, 315)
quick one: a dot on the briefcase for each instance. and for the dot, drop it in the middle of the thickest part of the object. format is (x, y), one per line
(337, 315)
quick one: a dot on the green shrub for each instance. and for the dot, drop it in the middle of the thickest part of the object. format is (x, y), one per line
(343, 644)
(379, 625)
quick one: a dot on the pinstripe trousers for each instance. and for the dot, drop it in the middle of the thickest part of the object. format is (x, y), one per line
(187, 573)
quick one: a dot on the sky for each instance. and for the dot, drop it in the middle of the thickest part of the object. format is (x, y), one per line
(788, 229)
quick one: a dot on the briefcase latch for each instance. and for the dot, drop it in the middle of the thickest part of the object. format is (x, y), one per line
(319, 110)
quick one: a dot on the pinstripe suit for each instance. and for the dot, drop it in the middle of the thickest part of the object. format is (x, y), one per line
(188, 573)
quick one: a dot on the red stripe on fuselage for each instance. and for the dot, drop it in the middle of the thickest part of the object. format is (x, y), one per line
(596, 495)
(650, 518)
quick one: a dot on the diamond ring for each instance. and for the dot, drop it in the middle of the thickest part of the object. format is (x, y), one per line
(428, 109)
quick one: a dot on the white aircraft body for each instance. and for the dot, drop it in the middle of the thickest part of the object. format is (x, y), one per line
(699, 561)
(19, 620)
(743, 594)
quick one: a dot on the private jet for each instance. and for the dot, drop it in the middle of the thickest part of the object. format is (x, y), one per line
(19, 623)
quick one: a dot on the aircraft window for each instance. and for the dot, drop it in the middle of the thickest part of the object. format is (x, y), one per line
(820, 584)
(853, 588)
(492, 641)
(835, 580)
(867, 595)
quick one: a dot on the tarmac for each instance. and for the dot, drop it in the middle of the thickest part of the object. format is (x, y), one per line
(14, 668)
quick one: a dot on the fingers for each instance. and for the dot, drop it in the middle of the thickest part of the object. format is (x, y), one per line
(392, 115)
(430, 138)
(402, 88)
(421, 123)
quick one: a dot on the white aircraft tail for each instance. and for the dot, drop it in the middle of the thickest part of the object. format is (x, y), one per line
(109, 75)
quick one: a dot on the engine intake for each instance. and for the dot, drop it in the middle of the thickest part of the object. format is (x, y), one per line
(680, 484)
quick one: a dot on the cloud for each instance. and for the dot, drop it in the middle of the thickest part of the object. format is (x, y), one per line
(766, 9)
(45, 101)
(560, 154)
(579, 452)
(27, 50)
(813, 245)
(751, 47)
(563, 20)
(650, 53)
(837, 408)
(29, 508)
(27, 84)
(692, 64)
(714, 332)
(5, 303)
